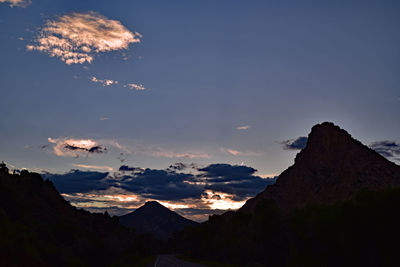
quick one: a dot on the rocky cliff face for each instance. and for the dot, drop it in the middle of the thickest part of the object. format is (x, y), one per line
(332, 167)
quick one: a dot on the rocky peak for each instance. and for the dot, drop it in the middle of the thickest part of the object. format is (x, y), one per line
(332, 167)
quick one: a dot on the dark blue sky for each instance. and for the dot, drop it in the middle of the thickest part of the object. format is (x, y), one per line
(224, 82)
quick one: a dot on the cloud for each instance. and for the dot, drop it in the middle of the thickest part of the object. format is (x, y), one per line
(160, 184)
(227, 170)
(137, 87)
(18, 3)
(67, 147)
(78, 37)
(78, 181)
(230, 151)
(196, 194)
(388, 149)
(234, 152)
(244, 127)
(295, 144)
(125, 168)
(165, 153)
(108, 82)
(105, 82)
(121, 157)
(107, 168)
(239, 181)
(178, 166)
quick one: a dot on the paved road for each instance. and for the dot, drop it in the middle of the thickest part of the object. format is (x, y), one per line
(172, 261)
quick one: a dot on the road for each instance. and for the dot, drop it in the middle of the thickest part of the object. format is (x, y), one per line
(172, 261)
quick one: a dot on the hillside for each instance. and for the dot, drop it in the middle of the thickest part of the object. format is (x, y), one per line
(39, 228)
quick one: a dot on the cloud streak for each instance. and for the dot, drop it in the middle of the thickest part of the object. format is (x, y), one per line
(18, 3)
(137, 87)
(107, 168)
(234, 152)
(388, 149)
(109, 82)
(105, 82)
(165, 153)
(295, 144)
(244, 127)
(78, 37)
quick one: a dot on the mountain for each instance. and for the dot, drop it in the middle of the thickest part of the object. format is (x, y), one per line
(332, 167)
(155, 219)
(338, 205)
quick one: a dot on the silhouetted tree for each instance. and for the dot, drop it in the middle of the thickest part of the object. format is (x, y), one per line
(3, 167)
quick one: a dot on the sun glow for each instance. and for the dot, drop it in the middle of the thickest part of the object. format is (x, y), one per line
(122, 198)
(173, 205)
(222, 201)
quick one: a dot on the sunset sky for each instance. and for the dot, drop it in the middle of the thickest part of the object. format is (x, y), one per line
(191, 103)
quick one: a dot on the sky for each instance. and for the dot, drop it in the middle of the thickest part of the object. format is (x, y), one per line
(119, 102)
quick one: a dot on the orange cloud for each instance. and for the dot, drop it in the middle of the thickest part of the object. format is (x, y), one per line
(220, 200)
(133, 86)
(108, 168)
(105, 82)
(67, 147)
(245, 127)
(19, 3)
(77, 37)
(234, 152)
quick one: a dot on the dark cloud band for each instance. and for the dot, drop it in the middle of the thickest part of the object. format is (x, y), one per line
(167, 184)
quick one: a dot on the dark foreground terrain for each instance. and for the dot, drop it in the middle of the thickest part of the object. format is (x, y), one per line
(338, 205)
(39, 228)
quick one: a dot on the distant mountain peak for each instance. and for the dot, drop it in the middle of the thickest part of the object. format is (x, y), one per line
(332, 167)
(156, 219)
(153, 203)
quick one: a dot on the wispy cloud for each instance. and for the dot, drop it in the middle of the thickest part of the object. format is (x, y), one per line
(105, 82)
(244, 127)
(67, 147)
(108, 82)
(165, 153)
(234, 152)
(107, 168)
(295, 144)
(388, 149)
(77, 37)
(18, 3)
(230, 151)
(137, 87)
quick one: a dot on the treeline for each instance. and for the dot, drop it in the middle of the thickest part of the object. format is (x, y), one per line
(364, 231)
(39, 228)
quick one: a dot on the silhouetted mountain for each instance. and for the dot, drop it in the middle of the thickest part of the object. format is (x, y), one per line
(155, 219)
(338, 205)
(39, 228)
(332, 167)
